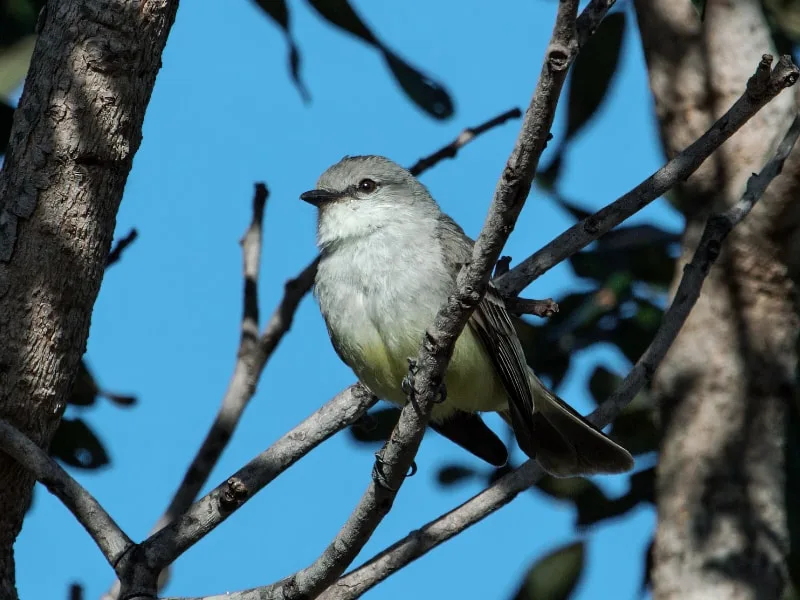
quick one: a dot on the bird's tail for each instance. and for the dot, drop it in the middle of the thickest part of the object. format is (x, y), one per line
(563, 442)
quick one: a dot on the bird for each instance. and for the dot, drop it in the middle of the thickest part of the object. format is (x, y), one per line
(389, 258)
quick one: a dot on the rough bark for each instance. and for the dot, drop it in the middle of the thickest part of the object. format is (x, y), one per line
(75, 132)
(724, 385)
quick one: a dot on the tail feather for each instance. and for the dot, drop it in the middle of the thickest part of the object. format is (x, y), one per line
(563, 442)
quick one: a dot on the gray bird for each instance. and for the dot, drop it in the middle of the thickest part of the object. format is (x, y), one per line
(390, 258)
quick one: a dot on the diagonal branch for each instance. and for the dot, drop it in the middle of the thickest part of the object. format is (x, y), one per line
(111, 540)
(762, 87)
(166, 545)
(398, 453)
(506, 488)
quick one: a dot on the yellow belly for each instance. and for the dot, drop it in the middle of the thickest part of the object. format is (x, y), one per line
(471, 381)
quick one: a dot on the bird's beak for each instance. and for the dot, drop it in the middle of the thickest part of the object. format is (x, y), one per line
(318, 197)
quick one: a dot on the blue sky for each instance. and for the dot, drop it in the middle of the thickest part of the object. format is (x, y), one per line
(225, 114)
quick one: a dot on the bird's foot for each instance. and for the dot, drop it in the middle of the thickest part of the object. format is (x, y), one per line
(407, 384)
(441, 394)
(379, 475)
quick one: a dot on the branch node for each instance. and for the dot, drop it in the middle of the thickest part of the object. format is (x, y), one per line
(233, 495)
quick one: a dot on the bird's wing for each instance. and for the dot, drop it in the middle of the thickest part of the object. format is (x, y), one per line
(492, 323)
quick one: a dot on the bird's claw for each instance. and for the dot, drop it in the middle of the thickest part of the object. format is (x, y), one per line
(407, 384)
(441, 394)
(379, 477)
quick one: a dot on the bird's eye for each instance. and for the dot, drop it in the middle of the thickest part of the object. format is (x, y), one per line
(367, 186)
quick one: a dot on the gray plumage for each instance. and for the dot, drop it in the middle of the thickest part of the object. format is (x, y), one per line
(390, 258)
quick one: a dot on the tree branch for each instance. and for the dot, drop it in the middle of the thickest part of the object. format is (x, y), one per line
(428, 372)
(164, 546)
(506, 488)
(762, 87)
(464, 138)
(111, 540)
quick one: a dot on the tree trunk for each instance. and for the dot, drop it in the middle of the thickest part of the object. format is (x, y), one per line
(75, 132)
(724, 386)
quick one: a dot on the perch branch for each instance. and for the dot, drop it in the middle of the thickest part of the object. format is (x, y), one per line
(164, 546)
(762, 87)
(398, 453)
(505, 489)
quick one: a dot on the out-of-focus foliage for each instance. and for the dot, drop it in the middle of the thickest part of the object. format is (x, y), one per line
(554, 576)
(628, 270)
(17, 37)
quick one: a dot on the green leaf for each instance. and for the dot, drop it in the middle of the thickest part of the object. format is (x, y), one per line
(700, 7)
(426, 93)
(375, 426)
(75, 444)
(279, 12)
(85, 390)
(451, 474)
(554, 576)
(593, 71)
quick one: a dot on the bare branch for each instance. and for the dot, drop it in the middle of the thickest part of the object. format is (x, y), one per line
(428, 372)
(163, 547)
(111, 540)
(505, 489)
(245, 374)
(464, 138)
(252, 356)
(120, 246)
(540, 308)
(762, 87)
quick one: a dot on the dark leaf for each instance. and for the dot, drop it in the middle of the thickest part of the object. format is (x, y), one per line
(641, 250)
(633, 335)
(6, 118)
(426, 93)
(85, 390)
(700, 7)
(554, 576)
(450, 474)
(375, 426)
(647, 576)
(120, 399)
(77, 445)
(546, 178)
(593, 70)
(591, 511)
(279, 12)
(602, 383)
(636, 430)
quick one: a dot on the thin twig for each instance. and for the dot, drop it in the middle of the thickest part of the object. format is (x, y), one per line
(163, 547)
(506, 488)
(762, 87)
(120, 246)
(539, 308)
(398, 453)
(108, 536)
(464, 138)
(253, 354)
